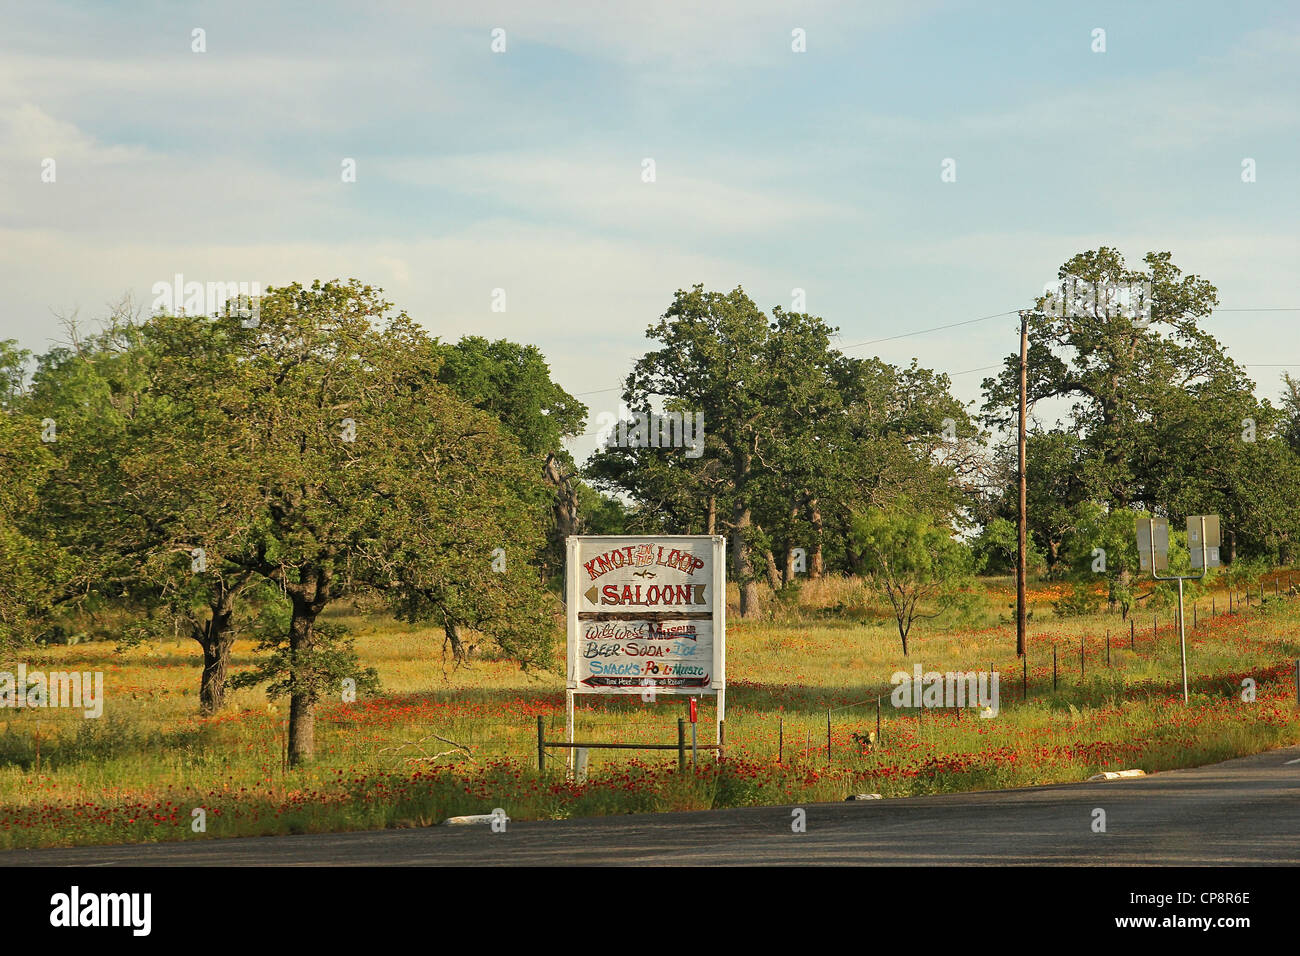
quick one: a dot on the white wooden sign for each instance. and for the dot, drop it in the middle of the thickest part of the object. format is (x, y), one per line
(646, 614)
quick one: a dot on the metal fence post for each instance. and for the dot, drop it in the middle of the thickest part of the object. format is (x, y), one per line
(541, 744)
(681, 743)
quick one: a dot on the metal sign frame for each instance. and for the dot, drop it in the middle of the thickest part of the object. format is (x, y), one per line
(1180, 578)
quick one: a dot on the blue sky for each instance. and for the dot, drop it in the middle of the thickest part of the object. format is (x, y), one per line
(775, 170)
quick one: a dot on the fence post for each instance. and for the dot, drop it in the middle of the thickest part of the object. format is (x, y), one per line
(541, 744)
(1108, 648)
(1024, 677)
(828, 736)
(1053, 667)
(877, 721)
(780, 736)
(1132, 634)
(1081, 660)
(681, 743)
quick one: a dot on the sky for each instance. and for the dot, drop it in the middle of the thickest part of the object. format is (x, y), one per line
(523, 169)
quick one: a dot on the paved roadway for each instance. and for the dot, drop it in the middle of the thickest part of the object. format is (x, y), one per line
(1243, 812)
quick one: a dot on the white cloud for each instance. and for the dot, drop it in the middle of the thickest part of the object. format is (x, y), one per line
(608, 191)
(681, 35)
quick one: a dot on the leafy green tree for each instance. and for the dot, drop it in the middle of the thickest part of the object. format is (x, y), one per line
(1216, 449)
(1056, 483)
(120, 493)
(904, 438)
(912, 562)
(719, 357)
(1291, 412)
(513, 382)
(601, 514)
(994, 549)
(1102, 543)
(33, 568)
(797, 436)
(1112, 360)
(343, 462)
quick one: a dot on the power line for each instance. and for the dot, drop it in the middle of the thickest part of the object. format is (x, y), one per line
(937, 328)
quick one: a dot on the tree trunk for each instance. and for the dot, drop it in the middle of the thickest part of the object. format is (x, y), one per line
(713, 515)
(773, 576)
(302, 688)
(216, 665)
(815, 567)
(216, 638)
(788, 571)
(460, 651)
(565, 519)
(741, 563)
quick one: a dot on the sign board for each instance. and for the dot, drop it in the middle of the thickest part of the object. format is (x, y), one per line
(1212, 540)
(1149, 529)
(646, 612)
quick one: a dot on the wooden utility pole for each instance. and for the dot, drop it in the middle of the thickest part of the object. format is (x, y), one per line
(1022, 514)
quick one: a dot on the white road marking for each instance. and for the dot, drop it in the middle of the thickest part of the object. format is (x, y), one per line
(1290, 762)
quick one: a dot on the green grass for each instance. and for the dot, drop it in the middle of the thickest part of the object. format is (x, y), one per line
(137, 773)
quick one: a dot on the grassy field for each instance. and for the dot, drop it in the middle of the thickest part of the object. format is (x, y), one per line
(444, 740)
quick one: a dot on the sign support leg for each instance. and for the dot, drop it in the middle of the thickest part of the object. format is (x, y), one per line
(722, 711)
(1182, 638)
(568, 726)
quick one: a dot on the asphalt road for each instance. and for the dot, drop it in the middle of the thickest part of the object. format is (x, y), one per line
(1241, 812)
